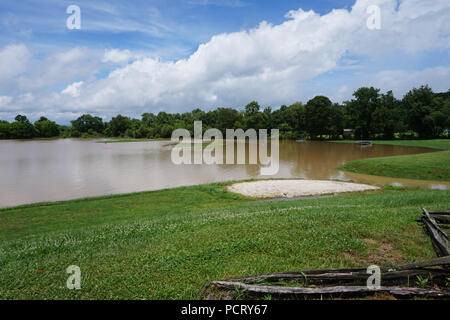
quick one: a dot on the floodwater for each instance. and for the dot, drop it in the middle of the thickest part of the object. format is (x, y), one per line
(36, 171)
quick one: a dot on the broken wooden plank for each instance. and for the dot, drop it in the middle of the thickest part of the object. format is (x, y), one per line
(441, 261)
(427, 214)
(388, 277)
(442, 219)
(335, 290)
(439, 243)
(435, 225)
(440, 212)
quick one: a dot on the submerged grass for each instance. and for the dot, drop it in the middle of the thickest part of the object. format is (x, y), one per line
(166, 244)
(126, 140)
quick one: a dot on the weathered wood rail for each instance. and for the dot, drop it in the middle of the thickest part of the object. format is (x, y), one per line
(332, 291)
(399, 274)
(439, 238)
(397, 281)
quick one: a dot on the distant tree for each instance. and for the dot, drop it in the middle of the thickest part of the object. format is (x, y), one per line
(280, 116)
(196, 114)
(163, 118)
(46, 128)
(225, 118)
(22, 128)
(148, 119)
(166, 131)
(388, 117)
(296, 117)
(361, 110)
(119, 125)
(5, 128)
(317, 115)
(426, 112)
(252, 108)
(87, 123)
(64, 131)
(21, 118)
(268, 118)
(336, 121)
(370, 113)
(446, 111)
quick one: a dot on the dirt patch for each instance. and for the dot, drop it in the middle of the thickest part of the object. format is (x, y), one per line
(93, 211)
(380, 253)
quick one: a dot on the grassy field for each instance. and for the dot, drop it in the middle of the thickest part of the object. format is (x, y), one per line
(428, 166)
(166, 244)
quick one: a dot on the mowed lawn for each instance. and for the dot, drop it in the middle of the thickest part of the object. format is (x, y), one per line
(166, 244)
(427, 166)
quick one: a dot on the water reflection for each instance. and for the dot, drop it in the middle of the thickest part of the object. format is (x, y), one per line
(33, 171)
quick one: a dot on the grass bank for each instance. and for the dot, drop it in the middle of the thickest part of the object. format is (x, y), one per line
(166, 244)
(434, 144)
(428, 166)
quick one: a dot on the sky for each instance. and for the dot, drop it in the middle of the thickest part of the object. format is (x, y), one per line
(131, 57)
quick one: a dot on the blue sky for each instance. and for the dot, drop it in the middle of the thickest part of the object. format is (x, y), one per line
(170, 28)
(140, 56)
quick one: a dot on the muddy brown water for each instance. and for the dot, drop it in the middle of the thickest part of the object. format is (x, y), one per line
(36, 171)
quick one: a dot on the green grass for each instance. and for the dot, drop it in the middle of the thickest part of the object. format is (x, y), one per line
(427, 166)
(166, 244)
(434, 144)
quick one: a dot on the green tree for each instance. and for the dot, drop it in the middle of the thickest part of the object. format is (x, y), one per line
(336, 121)
(296, 117)
(87, 123)
(148, 119)
(252, 108)
(425, 112)
(22, 128)
(361, 110)
(225, 118)
(46, 128)
(317, 116)
(388, 116)
(119, 125)
(5, 128)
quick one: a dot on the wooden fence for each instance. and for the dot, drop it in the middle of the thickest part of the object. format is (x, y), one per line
(400, 281)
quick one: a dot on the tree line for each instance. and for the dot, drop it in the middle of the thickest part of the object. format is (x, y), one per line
(370, 114)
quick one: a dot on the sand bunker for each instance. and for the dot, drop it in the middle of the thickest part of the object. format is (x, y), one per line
(294, 188)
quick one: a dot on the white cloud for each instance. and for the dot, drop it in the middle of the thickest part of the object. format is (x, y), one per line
(73, 90)
(265, 63)
(270, 63)
(5, 100)
(7, 105)
(401, 81)
(116, 56)
(61, 67)
(13, 62)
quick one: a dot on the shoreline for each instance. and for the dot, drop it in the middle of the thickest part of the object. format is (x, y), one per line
(224, 184)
